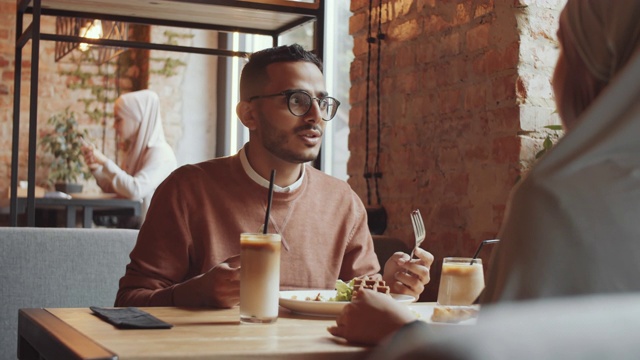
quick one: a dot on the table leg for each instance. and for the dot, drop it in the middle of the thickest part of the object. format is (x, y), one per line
(26, 351)
(42, 335)
(87, 220)
(71, 216)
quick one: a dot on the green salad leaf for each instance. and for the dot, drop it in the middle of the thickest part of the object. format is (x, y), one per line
(343, 290)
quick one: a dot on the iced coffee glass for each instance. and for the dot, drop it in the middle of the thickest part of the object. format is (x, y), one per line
(259, 277)
(460, 282)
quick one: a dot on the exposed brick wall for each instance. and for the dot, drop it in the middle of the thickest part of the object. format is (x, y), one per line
(538, 23)
(462, 84)
(128, 72)
(53, 95)
(7, 38)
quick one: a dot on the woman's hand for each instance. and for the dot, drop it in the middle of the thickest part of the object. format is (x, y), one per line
(92, 156)
(408, 276)
(370, 317)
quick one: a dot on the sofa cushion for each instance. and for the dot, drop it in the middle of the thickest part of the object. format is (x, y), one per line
(55, 267)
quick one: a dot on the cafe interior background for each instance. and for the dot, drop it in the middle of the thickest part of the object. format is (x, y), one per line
(459, 97)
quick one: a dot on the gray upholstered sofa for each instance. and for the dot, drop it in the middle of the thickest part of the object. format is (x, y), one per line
(52, 267)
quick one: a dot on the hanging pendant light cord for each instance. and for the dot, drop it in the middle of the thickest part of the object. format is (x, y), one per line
(376, 170)
(367, 173)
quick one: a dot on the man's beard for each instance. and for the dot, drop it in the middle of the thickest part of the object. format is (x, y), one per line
(274, 141)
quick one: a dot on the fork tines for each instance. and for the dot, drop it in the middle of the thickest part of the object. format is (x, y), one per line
(418, 229)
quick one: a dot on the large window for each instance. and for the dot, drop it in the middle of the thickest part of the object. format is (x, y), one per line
(338, 56)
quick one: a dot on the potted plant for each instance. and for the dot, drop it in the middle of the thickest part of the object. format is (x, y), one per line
(64, 142)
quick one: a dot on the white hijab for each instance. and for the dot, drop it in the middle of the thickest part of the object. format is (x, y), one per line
(573, 224)
(144, 107)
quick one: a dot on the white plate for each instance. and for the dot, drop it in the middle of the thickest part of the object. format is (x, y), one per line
(424, 311)
(295, 301)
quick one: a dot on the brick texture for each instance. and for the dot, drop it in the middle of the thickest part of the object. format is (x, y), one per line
(455, 77)
(66, 84)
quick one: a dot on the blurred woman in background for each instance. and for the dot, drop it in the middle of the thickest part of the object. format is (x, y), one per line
(147, 159)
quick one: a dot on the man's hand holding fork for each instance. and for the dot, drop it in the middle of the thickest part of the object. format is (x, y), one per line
(408, 274)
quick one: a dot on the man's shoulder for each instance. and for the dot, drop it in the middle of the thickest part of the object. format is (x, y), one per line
(208, 166)
(324, 180)
(216, 169)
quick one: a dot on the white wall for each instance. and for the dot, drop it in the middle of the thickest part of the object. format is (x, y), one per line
(198, 142)
(188, 98)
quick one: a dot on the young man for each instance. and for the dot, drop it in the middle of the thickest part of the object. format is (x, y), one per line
(187, 252)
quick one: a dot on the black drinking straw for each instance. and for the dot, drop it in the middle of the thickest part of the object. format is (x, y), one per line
(266, 217)
(480, 248)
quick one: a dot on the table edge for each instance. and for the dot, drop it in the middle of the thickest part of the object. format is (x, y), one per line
(52, 338)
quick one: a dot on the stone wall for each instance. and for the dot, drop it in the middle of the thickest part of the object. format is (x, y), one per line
(464, 91)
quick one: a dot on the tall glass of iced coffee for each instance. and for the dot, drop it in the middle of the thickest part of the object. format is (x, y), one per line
(461, 281)
(259, 277)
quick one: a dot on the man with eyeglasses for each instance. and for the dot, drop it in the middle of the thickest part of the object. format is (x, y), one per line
(187, 253)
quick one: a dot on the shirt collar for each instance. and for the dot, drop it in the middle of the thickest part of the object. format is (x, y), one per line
(264, 182)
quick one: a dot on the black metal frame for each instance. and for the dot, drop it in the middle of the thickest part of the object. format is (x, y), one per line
(33, 33)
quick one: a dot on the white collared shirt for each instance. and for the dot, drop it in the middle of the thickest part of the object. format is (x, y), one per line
(264, 182)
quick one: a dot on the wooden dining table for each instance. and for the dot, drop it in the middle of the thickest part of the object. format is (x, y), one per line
(65, 333)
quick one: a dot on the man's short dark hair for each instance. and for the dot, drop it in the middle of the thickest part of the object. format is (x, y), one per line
(254, 74)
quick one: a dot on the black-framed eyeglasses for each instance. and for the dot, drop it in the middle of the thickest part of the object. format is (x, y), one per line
(299, 103)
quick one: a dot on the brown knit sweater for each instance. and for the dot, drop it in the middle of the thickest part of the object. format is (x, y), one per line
(197, 215)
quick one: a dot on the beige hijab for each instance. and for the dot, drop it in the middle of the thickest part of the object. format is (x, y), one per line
(605, 33)
(573, 224)
(143, 107)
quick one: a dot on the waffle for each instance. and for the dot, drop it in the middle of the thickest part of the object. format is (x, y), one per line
(368, 283)
(453, 314)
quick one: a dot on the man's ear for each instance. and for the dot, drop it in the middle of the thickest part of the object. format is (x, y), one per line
(243, 110)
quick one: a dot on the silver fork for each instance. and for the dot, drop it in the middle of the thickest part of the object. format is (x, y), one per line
(418, 229)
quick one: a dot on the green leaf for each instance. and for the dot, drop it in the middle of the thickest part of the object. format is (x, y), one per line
(343, 290)
(65, 146)
(554, 127)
